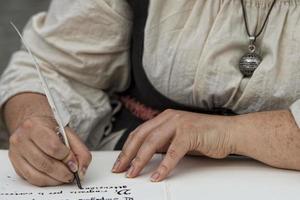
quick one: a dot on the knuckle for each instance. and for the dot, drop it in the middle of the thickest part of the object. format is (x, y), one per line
(137, 161)
(27, 124)
(186, 125)
(157, 132)
(180, 119)
(54, 147)
(138, 129)
(46, 167)
(164, 168)
(168, 111)
(123, 155)
(132, 135)
(15, 139)
(172, 154)
(68, 177)
(138, 135)
(151, 141)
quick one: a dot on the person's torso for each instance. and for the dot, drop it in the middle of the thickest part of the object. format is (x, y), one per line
(192, 51)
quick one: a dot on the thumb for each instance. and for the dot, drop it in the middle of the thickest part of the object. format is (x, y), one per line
(79, 152)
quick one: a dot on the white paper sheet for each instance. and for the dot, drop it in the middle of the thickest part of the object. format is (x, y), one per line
(99, 184)
(194, 178)
(235, 178)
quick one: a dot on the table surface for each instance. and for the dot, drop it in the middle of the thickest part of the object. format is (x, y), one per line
(198, 177)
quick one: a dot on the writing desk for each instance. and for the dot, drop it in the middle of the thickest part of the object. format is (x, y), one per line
(234, 178)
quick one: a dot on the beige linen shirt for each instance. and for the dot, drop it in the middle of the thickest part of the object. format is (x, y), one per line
(191, 54)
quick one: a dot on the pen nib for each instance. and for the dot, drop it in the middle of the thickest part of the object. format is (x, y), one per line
(77, 179)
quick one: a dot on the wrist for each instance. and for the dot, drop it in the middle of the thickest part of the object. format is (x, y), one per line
(25, 106)
(238, 131)
(254, 134)
(271, 137)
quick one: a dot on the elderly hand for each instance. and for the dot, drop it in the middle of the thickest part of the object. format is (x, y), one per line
(40, 157)
(177, 133)
(36, 152)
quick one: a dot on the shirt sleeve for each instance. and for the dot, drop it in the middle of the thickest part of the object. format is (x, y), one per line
(295, 110)
(83, 49)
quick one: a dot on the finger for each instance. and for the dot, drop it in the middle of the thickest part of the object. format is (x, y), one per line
(135, 140)
(29, 173)
(156, 140)
(50, 143)
(81, 152)
(148, 126)
(46, 164)
(12, 158)
(164, 148)
(175, 153)
(132, 144)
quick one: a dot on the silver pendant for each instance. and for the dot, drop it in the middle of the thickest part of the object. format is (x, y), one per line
(250, 61)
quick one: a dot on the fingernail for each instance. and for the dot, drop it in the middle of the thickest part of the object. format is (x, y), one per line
(130, 172)
(155, 177)
(116, 166)
(82, 173)
(72, 166)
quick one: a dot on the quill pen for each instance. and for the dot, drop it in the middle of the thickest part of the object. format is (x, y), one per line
(50, 99)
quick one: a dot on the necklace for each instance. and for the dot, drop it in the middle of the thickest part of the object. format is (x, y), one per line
(251, 60)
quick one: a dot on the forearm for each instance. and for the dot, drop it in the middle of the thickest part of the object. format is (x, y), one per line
(270, 137)
(23, 106)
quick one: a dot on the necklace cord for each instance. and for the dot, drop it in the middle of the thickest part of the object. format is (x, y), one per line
(264, 24)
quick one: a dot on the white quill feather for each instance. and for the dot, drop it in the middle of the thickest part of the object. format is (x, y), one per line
(49, 96)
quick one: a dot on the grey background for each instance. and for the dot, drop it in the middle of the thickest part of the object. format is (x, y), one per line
(18, 11)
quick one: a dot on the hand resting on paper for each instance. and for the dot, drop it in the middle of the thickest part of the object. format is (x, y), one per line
(36, 152)
(270, 137)
(177, 133)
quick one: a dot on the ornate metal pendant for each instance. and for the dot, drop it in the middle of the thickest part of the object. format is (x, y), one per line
(250, 61)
